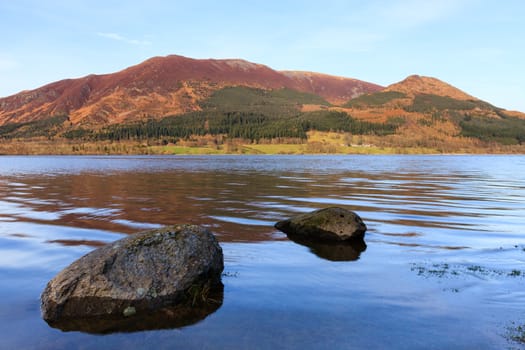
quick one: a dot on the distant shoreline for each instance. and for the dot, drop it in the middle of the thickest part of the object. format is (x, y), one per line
(46, 147)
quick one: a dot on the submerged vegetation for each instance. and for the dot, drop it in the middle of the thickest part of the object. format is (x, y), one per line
(441, 270)
(516, 333)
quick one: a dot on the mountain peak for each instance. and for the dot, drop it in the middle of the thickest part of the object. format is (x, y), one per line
(299, 74)
(164, 85)
(416, 84)
(178, 60)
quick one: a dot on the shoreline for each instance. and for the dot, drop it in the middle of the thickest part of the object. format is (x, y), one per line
(330, 143)
(197, 151)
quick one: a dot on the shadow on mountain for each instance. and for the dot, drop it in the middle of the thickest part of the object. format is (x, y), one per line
(334, 251)
(169, 317)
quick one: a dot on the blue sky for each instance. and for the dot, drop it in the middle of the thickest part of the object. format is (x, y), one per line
(475, 45)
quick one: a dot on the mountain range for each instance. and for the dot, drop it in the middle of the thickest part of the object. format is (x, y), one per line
(177, 96)
(164, 86)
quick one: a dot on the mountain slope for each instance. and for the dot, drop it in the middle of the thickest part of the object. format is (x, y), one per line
(163, 86)
(336, 90)
(432, 110)
(179, 100)
(415, 84)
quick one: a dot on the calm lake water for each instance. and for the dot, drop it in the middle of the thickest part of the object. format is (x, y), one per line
(443, 267)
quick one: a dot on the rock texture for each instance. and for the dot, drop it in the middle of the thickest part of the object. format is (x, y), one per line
(331, 224)
(137, 275)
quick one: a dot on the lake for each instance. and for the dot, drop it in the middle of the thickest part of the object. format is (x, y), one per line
(443, 266)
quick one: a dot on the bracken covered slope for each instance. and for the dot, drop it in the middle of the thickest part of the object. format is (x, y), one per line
(164, 86)
(416, 84)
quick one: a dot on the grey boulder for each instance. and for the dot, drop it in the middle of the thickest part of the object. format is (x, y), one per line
(138, 275)
(328, 224)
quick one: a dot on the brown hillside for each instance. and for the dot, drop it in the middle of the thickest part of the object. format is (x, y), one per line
(516, 114)
(336, 90)
(416, 84)
(162, 86)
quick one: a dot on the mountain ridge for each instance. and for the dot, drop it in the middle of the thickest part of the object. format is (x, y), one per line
(162, 86)
(417, 84)
(184, 101)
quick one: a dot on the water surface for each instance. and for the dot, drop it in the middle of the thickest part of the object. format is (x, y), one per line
(443, 267)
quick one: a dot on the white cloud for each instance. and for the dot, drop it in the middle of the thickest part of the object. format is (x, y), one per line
(118, 37)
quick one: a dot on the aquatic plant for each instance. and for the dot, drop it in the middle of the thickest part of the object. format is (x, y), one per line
(515, 273)
(516, 333)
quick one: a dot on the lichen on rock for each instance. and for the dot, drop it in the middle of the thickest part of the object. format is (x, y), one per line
(328, 224)
(136, 275)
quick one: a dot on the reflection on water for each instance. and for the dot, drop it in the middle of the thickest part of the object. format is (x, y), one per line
(335, 251)
(241, 205)
(72, 242)
(168, 317)
(462, 210)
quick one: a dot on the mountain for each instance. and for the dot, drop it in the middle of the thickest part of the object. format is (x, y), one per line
(163, 86)
(409, 91)
(336, 90)
(432, 112)
(415, 84)
(184, 101)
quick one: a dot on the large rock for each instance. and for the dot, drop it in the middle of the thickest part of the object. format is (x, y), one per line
(328, 224)
(138, 275)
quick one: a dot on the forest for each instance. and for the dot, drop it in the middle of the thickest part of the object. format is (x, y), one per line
(254, 115)
(245, 125)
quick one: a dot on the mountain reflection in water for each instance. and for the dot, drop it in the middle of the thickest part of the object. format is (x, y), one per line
(445, 236)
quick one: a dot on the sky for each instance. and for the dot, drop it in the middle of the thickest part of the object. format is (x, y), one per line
(476, 45)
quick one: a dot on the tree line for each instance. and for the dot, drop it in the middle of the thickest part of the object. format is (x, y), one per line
(251, 126)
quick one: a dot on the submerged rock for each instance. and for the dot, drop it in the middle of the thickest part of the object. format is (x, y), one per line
(328, 224)
(173, 268)
(196, 308)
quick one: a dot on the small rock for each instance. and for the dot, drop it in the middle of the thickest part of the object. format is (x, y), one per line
(329, 224)
(136, 275)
